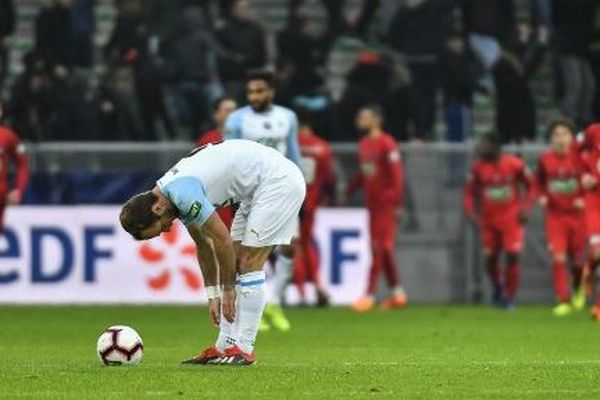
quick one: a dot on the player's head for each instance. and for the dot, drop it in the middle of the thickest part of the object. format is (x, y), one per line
(561, 133)
(260, 89)
(369, 117)
(222, 108)
(146, 215)
(489, 146)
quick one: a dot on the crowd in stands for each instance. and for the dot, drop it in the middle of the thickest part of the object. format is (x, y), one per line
(166, 62)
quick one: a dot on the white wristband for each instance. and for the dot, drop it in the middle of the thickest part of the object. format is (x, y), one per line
(212, 292)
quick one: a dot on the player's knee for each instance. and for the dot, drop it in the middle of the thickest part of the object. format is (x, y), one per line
(288, 249)
(559, 257)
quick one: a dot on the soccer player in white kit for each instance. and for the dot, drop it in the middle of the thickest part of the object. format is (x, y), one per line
(269, 189)
(277, 127)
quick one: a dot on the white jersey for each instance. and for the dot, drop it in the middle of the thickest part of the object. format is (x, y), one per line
(276, 128)
(217, 175)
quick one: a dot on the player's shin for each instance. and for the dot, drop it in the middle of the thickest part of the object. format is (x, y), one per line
(251, 303)
(512, 276)
(227, 331)
(284, 269)
(561, 280)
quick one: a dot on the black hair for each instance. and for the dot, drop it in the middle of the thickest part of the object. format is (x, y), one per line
(261, 75)
(217, 103)
(566, 122)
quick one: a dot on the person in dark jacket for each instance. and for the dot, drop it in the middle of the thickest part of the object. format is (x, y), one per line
(572, 24)
(54, 32)
(7, 27)
(244, 37)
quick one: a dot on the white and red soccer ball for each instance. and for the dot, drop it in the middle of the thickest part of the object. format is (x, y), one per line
(120, 345)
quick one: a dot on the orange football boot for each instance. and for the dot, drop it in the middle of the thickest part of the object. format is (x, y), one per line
(205, 357)
(394, 301)
(364, 304)
(235, 356)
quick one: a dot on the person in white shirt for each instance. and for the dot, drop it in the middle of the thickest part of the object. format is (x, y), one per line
(277, 127)
(269, 190)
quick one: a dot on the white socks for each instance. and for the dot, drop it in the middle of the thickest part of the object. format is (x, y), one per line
(284, 269)
(227, 331)
(251, 300)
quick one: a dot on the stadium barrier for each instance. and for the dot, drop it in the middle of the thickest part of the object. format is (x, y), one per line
(80, 255)
(438, 251)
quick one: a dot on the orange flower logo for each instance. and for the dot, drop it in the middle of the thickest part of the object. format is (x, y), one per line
(174, 257)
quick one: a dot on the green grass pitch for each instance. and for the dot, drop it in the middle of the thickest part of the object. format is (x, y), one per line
(422, 352)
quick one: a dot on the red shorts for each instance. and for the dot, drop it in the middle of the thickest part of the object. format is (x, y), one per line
(592, 220)
(507, 236)
(566, 233)
(226, 214)
(382, 223)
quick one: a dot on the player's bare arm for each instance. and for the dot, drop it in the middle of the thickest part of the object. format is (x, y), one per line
(220, 255)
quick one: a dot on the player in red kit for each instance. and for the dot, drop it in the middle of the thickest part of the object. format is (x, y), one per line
(221, 110)
(317, 162)
(588, 150)
(494, 200)
(382, 178)
(12, 151)
(561, 195)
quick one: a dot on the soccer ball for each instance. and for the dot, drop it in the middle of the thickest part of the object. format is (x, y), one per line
(120, 345)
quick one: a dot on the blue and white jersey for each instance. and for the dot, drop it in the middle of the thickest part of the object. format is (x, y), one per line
(217, 175)
(276, 128)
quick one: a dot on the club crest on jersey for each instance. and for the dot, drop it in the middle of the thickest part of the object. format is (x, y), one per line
(195, 209)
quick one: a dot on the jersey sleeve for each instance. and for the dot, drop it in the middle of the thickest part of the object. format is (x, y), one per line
(188, 196)
(293, 148)
(233, 126)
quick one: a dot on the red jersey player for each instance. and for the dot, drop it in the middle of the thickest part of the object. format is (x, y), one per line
(561, 195)
(12, 150)
(588, 149)
(317, 163)
(221, 110)
(494, 185)
(382, 178)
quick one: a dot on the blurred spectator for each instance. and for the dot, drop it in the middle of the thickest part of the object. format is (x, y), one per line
(418, 30)
(243, 37)
(301, 51)
(572, 24)
(65, 119)
(494, 38)
(380, 80)
(7, 27)
(54, 31)
(122, 105)
(130, 32)
(194, 68)
(595, 58)
(459, 75)
(83, 27)
(31, 100)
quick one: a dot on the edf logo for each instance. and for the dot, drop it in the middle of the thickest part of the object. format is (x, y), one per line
(43, 236)
(338, 255)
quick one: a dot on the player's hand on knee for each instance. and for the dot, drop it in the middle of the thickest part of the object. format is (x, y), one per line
(228, 300)
(214, 310)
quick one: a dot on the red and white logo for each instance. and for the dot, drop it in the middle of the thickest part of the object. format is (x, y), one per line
(171, 256)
